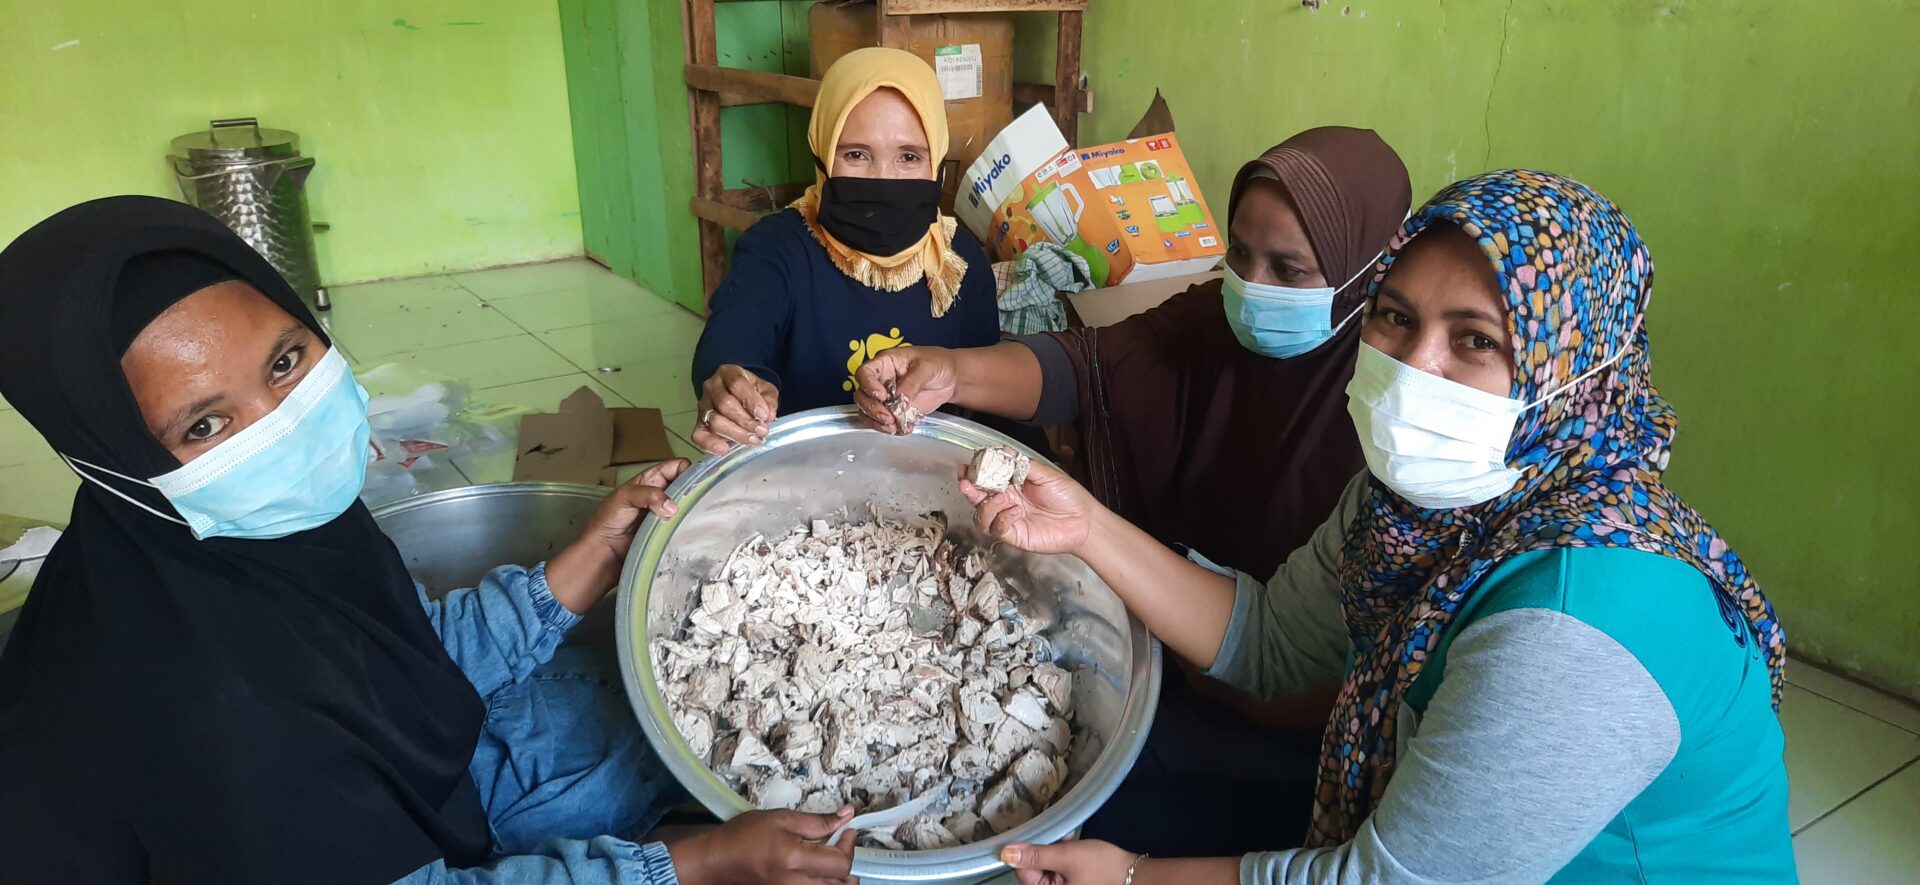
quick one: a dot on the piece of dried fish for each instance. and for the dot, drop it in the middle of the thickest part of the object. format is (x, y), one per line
(905, 416)
(996, 469)
(867, 664)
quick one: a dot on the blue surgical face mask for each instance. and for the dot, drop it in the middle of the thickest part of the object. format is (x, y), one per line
(1280, 322)
(298, 468)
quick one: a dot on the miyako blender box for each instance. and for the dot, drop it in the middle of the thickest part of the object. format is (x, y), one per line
(1129, 208)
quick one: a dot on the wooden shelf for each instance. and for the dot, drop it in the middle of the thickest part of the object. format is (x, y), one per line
(946, 7)
(711, 87)
(737, 86)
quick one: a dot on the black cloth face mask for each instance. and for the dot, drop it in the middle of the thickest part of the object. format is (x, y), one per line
(879, 216)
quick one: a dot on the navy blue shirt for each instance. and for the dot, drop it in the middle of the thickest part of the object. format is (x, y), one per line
(787, 315)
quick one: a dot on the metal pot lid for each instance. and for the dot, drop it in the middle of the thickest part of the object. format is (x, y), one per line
(230, 142)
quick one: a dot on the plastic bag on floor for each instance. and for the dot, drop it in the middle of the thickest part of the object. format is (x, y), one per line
(422, 422)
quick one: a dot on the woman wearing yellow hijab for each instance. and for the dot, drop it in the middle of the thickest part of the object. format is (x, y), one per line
(863, 262)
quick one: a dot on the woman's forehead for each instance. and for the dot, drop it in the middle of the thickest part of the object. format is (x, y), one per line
(884, 113)
(225, 315)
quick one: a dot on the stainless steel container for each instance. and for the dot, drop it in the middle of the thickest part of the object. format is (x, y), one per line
(451, 539)
(826, 464)
(254, 180)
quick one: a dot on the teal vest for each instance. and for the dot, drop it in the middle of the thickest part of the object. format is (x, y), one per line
(1718, 813)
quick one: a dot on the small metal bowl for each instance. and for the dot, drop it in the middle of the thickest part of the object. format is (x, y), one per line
(828, 464)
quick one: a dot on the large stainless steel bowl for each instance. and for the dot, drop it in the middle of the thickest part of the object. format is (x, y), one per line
(826, 464)
(451, 539)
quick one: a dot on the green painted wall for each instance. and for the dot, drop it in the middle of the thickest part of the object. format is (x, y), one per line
(632, 138)
(1769, 152)
(440, 127)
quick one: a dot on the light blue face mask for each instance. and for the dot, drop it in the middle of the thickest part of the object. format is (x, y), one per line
(298, 468)
(1280, 322)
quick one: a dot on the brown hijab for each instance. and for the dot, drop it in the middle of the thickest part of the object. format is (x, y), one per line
(1203, 443)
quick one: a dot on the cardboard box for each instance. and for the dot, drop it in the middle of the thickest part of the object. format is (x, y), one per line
(1131, 208)
(1094, 308)
(586, 442)
(971, 53)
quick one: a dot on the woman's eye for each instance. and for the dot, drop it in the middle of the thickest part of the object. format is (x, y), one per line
(854, 156)
(909, 158)
(287, 363)
(206, 428)
(1396, 318)
(1481, 342)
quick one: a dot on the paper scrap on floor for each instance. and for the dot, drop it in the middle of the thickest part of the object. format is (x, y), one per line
(586, 443)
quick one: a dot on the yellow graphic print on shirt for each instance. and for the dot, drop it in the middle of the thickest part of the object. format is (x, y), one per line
(872, 347)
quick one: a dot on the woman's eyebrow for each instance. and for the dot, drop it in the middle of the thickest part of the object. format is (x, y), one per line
(1388, 293)
(188, 412)
(281, 343)
(1474, 313)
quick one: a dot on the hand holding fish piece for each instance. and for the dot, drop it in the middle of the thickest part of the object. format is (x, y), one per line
(996, 469)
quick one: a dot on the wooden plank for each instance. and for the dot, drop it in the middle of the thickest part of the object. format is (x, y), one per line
(703, 49)
(763, 199)
(1029, 94)
(1066, 78)
(894, 29)
(718, 213)
(929, 7)
(752, 87)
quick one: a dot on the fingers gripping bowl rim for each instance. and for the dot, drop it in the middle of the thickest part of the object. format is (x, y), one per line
(829, 463)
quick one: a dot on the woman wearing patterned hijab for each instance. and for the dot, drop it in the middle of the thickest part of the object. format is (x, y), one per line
(1558, 670)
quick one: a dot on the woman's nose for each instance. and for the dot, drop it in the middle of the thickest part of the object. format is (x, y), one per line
(1427, 352)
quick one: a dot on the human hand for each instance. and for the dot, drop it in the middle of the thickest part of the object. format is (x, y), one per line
(1069, 863)
(772, 847)
(735, 408)
(924, 376)
(1049, 513)
(583, 573)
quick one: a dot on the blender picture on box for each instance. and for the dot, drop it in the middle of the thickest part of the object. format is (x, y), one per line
(1129, 208)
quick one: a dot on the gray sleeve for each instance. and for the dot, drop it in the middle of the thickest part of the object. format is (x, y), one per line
(1288, 635)
(1542, 731)
(1059, 389)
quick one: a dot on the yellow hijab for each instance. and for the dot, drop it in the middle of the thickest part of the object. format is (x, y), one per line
(849, 81)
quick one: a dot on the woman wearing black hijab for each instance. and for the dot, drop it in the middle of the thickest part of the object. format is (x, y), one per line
(223, 672)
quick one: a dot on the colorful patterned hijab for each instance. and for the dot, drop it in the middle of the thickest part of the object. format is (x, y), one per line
(1577, 279)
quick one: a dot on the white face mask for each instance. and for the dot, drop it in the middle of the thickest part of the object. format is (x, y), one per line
(1437, 443)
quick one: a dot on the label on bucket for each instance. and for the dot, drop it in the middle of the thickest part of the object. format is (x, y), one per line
(962, 76)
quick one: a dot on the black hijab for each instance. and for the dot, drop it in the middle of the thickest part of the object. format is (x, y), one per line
(226, 710)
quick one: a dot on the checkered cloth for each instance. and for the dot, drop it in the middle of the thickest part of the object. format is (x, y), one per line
(1030, 288)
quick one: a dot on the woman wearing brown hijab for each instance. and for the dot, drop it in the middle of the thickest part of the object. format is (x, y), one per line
(1205, 442)
(1217, 422)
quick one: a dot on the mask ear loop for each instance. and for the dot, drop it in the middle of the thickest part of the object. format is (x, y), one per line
(74, 464)
(1350, 281)
(1603, 366)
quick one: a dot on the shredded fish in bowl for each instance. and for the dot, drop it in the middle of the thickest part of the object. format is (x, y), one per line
(872, 663)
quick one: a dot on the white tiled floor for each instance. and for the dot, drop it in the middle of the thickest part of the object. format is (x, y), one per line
(529, 336)
(532, 334)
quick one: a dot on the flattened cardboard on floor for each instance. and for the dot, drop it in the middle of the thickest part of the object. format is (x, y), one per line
(569, 446)
(585, 441)
(639, 437)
